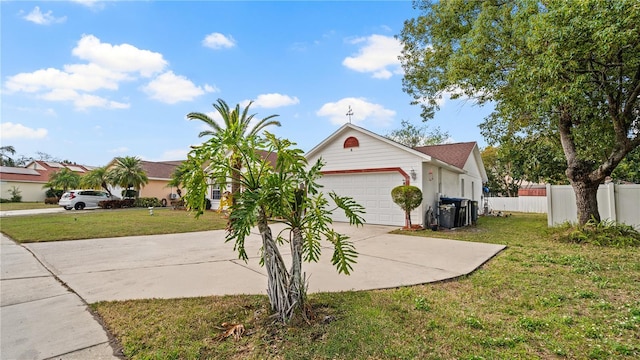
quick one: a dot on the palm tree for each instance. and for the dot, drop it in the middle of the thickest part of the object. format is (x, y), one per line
(64, 179)
(6, 160)
(237, 126)
(177, 177)
(128, 173)
(96, 178)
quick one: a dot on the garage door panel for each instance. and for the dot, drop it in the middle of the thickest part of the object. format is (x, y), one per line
(371, 190)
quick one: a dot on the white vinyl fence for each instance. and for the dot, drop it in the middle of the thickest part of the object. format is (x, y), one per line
(533, 204)
(620, 203)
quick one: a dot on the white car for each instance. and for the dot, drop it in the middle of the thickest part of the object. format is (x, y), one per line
(79, 199)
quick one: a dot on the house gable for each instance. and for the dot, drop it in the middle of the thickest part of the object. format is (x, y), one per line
(355, 150)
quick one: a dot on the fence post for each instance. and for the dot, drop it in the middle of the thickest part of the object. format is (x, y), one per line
(549, 207)
(611, 201)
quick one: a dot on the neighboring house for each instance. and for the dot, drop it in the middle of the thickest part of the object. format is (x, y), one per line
(367, 166)
(31, 178)
(159, 174)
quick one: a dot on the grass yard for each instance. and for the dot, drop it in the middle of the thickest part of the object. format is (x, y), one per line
(92, 224)
(26, 206)
(539, 298)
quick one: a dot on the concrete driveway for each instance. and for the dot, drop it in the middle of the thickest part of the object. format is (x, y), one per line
(201, 264)
(46, 286)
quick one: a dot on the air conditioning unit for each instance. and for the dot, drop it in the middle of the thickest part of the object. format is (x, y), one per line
(173, 196)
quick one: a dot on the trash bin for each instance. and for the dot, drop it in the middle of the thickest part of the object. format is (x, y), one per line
(474, 212)
(447, 216)
(460, 212)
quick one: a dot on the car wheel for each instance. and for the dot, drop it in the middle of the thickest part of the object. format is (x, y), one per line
(68, 208)
(79, 206)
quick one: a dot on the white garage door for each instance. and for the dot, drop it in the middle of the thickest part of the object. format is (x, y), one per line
(373, 191)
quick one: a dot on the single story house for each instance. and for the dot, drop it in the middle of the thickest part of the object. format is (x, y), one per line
(159, 174)
(30, 180)
(367, 166)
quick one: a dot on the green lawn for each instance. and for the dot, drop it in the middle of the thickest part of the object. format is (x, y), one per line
(537, 299)
(26, 206)
(90, 224)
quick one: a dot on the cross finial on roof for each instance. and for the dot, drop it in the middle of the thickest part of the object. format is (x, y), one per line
(350, 114)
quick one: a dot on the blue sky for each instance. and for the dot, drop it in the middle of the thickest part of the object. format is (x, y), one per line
(87, 81)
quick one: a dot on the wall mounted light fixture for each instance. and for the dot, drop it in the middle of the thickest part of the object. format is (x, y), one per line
(413, 174)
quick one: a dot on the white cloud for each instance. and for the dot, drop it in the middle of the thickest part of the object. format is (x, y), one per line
(170, 88)
(175, 154)
(84, 77)
(11, 130)
(273, 100)
(378, 56)
(106, 68)
(119, 58)
(38, 17)
(92, 4)
(363, 112)
(82, 101)
(211, 88)
(218, 41)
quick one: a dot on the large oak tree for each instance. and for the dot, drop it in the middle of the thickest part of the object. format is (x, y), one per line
(568, 69)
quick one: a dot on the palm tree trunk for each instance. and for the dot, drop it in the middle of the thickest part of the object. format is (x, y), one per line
(277, 275)
(297, 287)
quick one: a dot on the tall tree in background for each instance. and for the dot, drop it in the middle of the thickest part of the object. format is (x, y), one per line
(563, 68)
(629, 169)
(412, 136)
(128, 173)
(502, 179)
(236, 126)
(96, 178)
(5, 159)
(64, 179)
(534, 159)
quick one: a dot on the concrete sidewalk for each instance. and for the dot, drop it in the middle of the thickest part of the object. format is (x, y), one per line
(195, 264)
(39, 317)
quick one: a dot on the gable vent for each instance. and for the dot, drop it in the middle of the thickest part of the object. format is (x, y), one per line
(351, 142)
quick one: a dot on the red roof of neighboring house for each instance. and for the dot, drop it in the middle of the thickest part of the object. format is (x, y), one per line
(38, 171)
(453, 154)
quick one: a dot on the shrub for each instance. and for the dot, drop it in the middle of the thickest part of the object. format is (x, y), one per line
(408, 197)
(116, 204)
(147, 202)
(16, 194)
(603, 233)
(51, 200)
(54, 193)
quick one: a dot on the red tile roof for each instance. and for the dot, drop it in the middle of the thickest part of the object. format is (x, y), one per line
(38, 171)
(453, 154)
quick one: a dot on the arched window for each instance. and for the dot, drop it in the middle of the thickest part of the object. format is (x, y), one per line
(351, 142)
